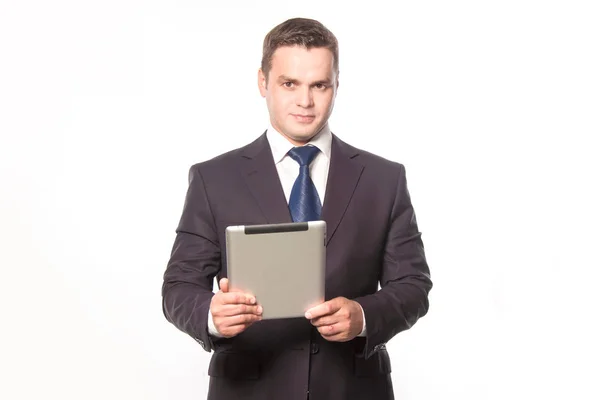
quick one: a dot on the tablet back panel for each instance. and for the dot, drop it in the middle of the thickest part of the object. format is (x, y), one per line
(283, 265)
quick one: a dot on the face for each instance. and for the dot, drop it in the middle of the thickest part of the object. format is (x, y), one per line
(300, 91)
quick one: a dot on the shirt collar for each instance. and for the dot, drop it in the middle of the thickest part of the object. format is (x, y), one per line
(280, 145)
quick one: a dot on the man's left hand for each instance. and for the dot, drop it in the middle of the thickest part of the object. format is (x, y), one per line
(337, 320)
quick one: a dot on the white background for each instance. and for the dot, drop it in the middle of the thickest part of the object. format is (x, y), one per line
(493, 107)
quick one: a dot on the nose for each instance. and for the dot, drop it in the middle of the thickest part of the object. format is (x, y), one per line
(304, 98)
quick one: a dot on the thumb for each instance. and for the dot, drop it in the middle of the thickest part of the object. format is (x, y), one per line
(224, 285)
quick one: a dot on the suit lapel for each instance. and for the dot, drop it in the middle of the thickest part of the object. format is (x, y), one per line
(344, 174)
(263, 181)
(260, 175)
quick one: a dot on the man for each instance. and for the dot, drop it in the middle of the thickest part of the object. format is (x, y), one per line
(338, 350)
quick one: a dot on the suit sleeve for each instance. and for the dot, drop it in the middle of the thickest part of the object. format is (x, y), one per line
(195, 260)
(405, 277)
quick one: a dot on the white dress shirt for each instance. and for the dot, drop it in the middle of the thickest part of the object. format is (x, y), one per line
(288, 170)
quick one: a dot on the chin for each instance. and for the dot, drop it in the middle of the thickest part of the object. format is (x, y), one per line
(300, 133)
(302, 137)
(305, 132)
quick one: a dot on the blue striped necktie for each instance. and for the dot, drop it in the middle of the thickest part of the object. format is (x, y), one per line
(305, 204)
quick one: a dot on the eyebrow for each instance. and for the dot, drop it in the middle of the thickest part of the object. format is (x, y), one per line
(284, 78)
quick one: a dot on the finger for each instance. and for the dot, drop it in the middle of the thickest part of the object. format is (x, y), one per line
(329, 330)
(224, 285)
(239, 319)
(326, 320)
(335, 333)
(237, 298)
(234, 330)
(228, 310)
(326, 308)
(340, 337)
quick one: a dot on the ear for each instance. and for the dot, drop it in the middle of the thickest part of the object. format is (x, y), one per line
(262, 83)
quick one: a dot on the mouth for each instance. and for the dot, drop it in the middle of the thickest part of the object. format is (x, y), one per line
(303, 118)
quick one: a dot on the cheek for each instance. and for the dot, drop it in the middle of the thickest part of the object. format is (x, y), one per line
(326, 103)
(281, 103)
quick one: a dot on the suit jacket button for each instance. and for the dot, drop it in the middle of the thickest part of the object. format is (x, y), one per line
(314, 348)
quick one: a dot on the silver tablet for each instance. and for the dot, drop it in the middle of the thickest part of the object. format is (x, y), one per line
(282, 265)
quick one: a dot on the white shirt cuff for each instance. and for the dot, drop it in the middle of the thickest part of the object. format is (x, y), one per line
(212, 330)
(364, 329)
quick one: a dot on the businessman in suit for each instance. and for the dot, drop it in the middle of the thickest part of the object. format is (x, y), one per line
(298, 170)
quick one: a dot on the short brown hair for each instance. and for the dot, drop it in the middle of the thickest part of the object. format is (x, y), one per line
(304, 32)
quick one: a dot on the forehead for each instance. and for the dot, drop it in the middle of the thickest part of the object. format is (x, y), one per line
(300, 62)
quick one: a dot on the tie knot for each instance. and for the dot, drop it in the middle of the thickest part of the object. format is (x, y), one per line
(304, 155)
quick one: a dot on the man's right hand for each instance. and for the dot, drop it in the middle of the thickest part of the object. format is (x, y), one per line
(232, 311)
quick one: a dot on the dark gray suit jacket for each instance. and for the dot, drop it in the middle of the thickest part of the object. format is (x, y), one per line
(372, 238)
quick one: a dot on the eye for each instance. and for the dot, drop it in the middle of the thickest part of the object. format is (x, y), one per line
(320, 86)
(288, 84)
